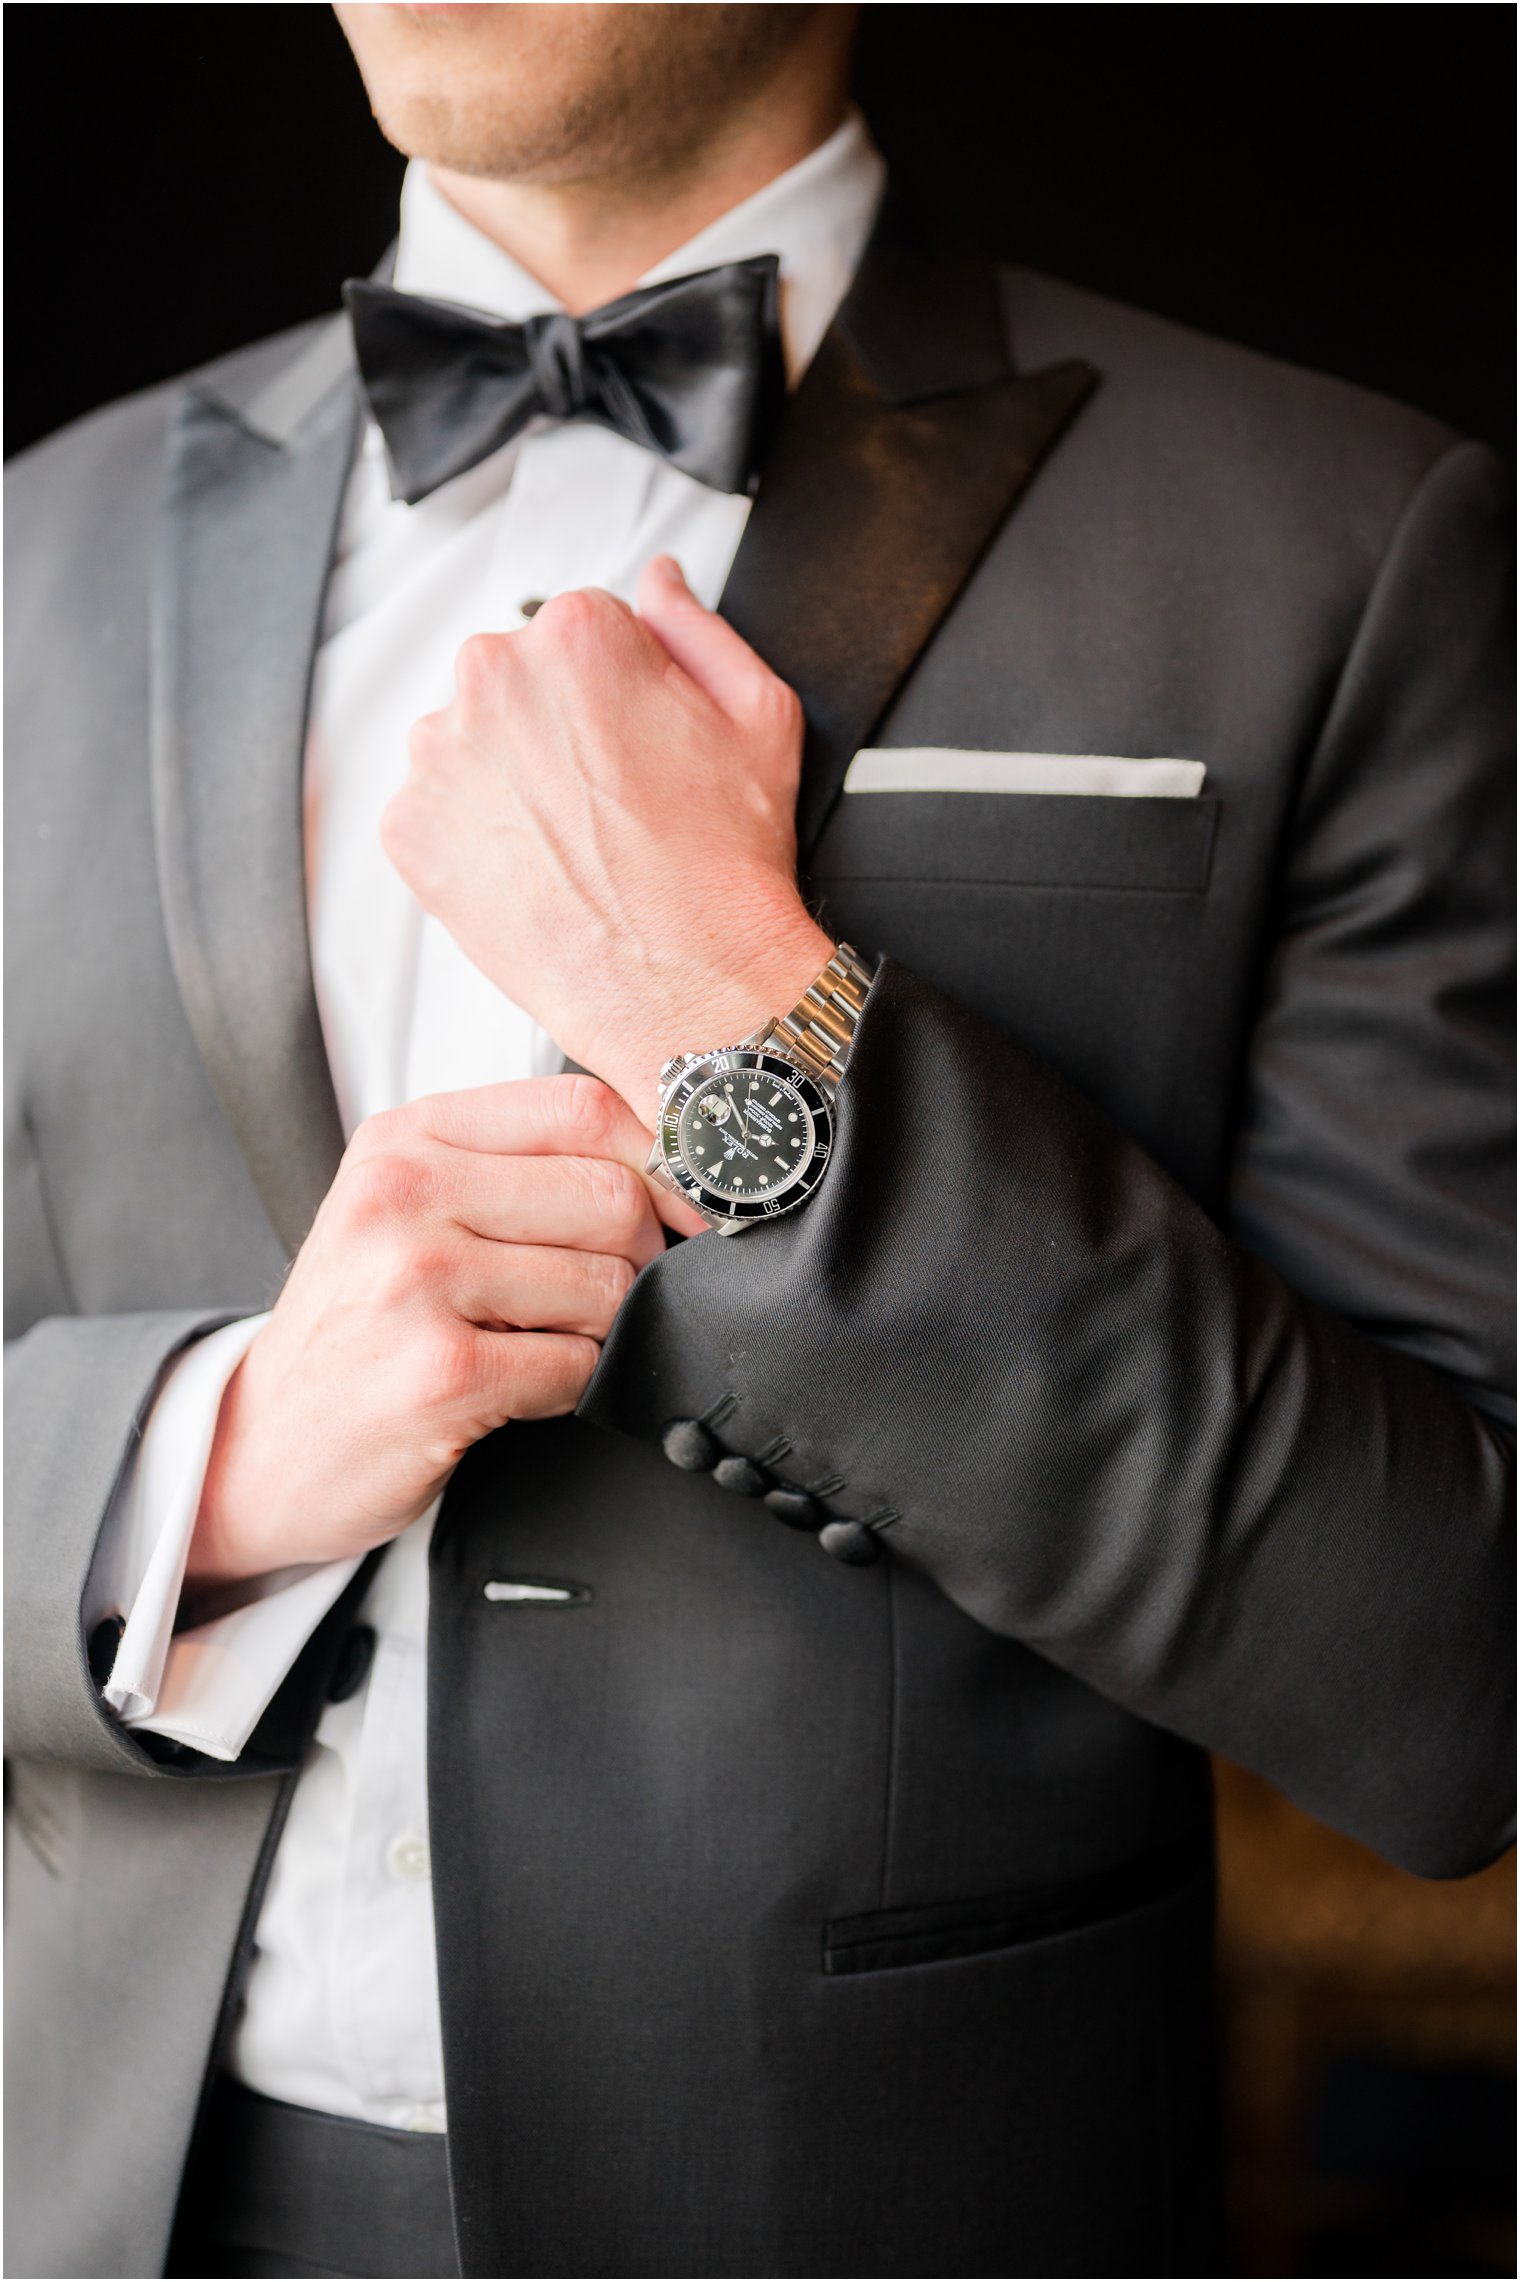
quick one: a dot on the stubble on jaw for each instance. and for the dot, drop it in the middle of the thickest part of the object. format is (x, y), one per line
(559, 94)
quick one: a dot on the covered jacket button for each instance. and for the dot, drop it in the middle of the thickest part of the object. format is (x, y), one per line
(850, 1541)
(741, 1475)
(687, 1444)
(795, 1508)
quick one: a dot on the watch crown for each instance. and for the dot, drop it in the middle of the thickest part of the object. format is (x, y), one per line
(672, 1069)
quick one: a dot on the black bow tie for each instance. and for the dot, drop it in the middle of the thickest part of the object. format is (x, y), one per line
(691, 370)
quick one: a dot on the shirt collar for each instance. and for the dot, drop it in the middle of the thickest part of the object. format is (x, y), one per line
(816, 217)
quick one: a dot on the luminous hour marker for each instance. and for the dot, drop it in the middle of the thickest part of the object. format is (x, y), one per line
(791, 1117)
(775, 1097)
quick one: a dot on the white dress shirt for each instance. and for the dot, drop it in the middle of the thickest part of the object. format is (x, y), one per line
(342, 2001)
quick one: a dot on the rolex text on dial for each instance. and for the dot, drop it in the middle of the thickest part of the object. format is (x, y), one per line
(744, 1134)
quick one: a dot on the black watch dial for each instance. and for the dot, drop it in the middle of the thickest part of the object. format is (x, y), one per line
(746, 1133)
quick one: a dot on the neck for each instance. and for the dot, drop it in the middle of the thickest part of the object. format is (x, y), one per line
(592, 240)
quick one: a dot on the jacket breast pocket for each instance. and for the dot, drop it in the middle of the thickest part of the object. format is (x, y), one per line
(887, 1941)
(1081, 926)
(1025, 840)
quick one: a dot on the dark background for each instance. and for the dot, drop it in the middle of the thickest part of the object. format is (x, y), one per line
(1333, 184)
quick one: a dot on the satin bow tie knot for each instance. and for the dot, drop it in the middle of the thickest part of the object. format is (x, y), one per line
(691, 369)
(572, 383)
(557, 354)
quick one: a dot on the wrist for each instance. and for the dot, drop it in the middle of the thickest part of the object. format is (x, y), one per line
(717, 1006)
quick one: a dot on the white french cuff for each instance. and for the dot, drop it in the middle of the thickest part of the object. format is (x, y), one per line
(208, 1686)
(949, 768)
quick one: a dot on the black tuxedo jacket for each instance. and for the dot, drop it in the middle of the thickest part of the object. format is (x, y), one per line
(798, 1918)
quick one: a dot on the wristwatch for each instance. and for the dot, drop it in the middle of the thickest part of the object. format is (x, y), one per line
(744, 1132)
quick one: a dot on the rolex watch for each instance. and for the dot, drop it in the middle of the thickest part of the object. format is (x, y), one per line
(744, 1132)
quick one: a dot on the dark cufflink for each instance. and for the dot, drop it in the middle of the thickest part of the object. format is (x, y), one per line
(742, 1476)
(687, 1444)
(352, 1668)
(102, 1646)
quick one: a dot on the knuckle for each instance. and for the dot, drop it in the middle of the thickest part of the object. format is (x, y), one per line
(609, 1279)
(405, 1274)
(590, 1111)
(617, 1196)
(422, 1266)
(775, 706)
(571, 616)
(389, 1185)
(385, 1129)
(478, 663)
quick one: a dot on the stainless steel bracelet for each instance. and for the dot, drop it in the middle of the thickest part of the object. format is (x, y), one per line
(815, 1038)
(818, 1032)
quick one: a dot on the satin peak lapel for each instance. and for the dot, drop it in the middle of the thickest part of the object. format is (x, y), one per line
(904, 450)
(253, 489)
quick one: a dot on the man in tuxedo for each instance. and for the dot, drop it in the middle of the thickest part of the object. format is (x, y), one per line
(543, 1748)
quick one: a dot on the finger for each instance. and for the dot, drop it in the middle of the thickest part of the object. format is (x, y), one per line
(565, 1116)
(539, 1287)
(534, 1374)
(590, 1204)
(677, 1214)
(703, 645)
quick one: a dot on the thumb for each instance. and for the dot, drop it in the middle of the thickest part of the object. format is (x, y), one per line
(703, 645)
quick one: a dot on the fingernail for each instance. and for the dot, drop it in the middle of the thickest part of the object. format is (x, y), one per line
(668, 569)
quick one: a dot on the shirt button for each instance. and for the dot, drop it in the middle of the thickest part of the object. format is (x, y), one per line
(407, 1856)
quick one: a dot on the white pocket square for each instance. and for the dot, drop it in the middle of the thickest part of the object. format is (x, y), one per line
(946, 768)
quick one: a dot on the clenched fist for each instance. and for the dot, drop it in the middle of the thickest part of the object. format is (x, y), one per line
(462, 1271)
(603, 820)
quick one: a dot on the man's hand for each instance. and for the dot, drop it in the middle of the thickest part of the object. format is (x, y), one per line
(603, 820)
(462, 1271)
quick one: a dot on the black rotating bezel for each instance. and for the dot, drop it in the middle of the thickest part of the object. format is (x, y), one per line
(691, 1080)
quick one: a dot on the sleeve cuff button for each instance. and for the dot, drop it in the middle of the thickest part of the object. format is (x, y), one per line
(742, 1476)
(687, 1444)
(795, 1508)
(850, 1541)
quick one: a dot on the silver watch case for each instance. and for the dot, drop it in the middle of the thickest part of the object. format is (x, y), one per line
(682, 1077)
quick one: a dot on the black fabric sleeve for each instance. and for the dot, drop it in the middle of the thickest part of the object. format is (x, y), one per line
(1254, 1484)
